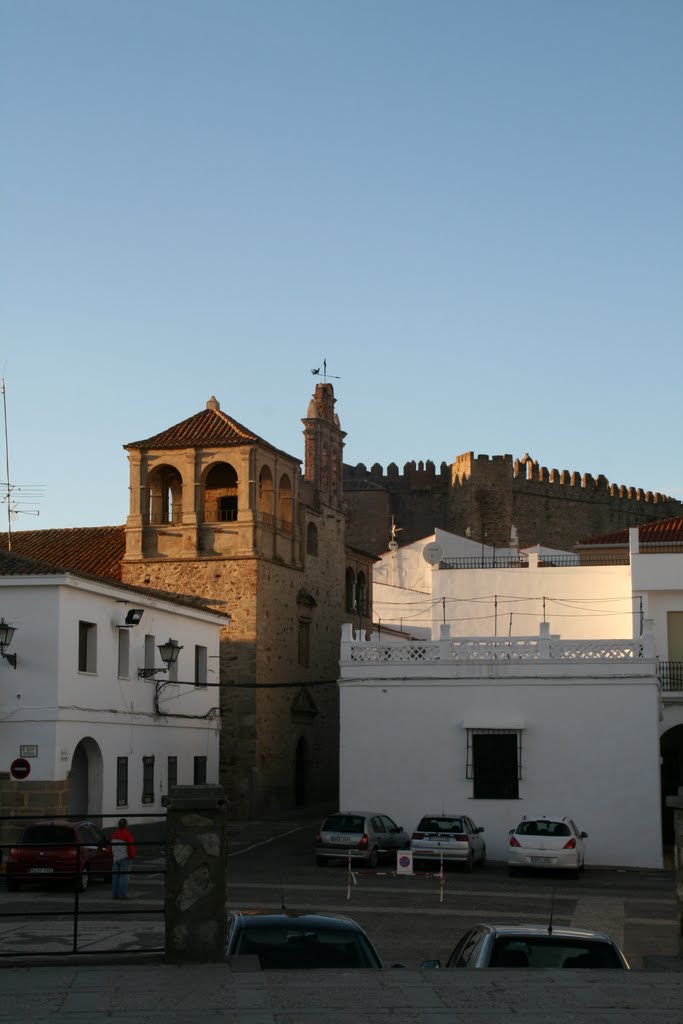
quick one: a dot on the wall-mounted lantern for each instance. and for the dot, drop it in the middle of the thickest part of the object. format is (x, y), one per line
(6, 634)
(169, 655)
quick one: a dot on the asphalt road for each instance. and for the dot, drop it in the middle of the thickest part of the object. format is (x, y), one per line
(409, 918)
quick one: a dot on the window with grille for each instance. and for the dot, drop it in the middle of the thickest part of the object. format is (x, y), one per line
(494, 763)
(148, 780)
(199, 771)
(121, 781)
(172, 773)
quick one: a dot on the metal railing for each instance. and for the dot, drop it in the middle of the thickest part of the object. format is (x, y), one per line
(522, 561)
(221, 515)
(671, 676)
(71, 883)
(268, 519)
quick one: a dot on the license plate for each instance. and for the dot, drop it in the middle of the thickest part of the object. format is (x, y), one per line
(541, 860)
(41, 871)
(339, 839)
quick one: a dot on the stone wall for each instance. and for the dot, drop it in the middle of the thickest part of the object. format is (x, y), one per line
(28, 799)
(486, 497)
(265, 717)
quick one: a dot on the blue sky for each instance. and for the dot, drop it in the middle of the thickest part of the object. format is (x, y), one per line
(472, 208)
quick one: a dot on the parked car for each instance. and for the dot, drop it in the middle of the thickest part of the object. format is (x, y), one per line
(366, 835)
(531, 945)
(59, 851)
(551, 843)
(299, 941)
(453, 837)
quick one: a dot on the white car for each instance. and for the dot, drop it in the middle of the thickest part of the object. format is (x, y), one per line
(547, 843)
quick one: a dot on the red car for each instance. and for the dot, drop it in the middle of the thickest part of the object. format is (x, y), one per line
(59, 851)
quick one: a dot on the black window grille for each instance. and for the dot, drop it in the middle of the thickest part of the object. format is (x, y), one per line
(199, 771)
(121, 781)
(172, 772)
(494, 763)
(148, 779)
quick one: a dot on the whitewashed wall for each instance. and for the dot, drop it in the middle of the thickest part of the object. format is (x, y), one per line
(48, 703)
(590, 747)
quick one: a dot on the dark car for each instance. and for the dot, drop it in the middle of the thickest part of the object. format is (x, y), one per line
(365, 836)
(288, 940)
(59, 851)
(533, 945)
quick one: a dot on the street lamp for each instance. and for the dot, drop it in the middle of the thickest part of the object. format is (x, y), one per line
(169, 655)
(6, 634)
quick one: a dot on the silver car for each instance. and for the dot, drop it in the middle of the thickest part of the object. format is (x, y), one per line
(534, 945)
(365, 836)
(453, 838)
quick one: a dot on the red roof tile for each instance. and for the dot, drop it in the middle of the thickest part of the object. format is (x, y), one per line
(76, 550)
(95, 550)
(659, 531)
(210, 428)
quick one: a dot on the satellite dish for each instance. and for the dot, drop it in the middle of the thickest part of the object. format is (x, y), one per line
(432, 553)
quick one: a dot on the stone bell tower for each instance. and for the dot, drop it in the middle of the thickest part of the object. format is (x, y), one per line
(324, 446)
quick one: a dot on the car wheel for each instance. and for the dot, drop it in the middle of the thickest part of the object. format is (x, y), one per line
(482, 859)
(469, 863)
(82, 880)
(12, 884)
(320, 861)
(373, 859)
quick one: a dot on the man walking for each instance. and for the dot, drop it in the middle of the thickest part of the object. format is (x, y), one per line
(123, 854)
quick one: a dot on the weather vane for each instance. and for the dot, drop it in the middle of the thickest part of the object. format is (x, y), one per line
(326, 375)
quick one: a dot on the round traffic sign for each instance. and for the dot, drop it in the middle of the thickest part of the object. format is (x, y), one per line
(20, 768)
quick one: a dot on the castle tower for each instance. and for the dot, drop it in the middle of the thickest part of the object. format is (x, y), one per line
(324, 446)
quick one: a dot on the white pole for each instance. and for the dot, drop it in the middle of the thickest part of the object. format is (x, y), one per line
(9, 489)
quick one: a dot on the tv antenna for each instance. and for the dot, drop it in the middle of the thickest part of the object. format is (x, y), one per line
(325, 374)
(12, 493)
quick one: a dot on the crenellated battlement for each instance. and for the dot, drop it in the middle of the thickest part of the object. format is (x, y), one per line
(486, 495)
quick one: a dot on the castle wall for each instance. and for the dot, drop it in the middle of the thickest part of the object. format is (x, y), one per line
(484, 498)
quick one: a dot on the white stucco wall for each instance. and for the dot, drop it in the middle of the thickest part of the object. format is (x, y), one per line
(49, 703)
(590, 748)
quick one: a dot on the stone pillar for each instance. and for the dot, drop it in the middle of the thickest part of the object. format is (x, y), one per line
(196, 874)
(676, 802)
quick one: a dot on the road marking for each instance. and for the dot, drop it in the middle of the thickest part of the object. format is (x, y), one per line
(265, 842)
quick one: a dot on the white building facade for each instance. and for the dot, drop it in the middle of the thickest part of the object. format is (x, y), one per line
(502, 728)
(105, 727)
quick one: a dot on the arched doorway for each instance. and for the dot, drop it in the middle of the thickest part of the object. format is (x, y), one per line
(671, 760)
(85, 780)
(300, 786)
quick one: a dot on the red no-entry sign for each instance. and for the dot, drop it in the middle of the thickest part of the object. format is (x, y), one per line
(20, 768)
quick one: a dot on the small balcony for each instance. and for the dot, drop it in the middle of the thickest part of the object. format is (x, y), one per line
(671, 676)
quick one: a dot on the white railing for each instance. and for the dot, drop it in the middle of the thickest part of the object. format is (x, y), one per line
(449, 650)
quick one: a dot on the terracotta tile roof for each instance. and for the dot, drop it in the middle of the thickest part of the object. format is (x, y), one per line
(660, 531)
(210, 428)
(95, 550)
(12, 563)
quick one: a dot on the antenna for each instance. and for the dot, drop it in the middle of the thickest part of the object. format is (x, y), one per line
(331, 376)
(32, 492)
(9, 488)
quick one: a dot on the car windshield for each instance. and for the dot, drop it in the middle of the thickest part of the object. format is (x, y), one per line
(543, 828)
(281, 947)
(344, 823)
(549, 951)
(441, 825)
(48, 835)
